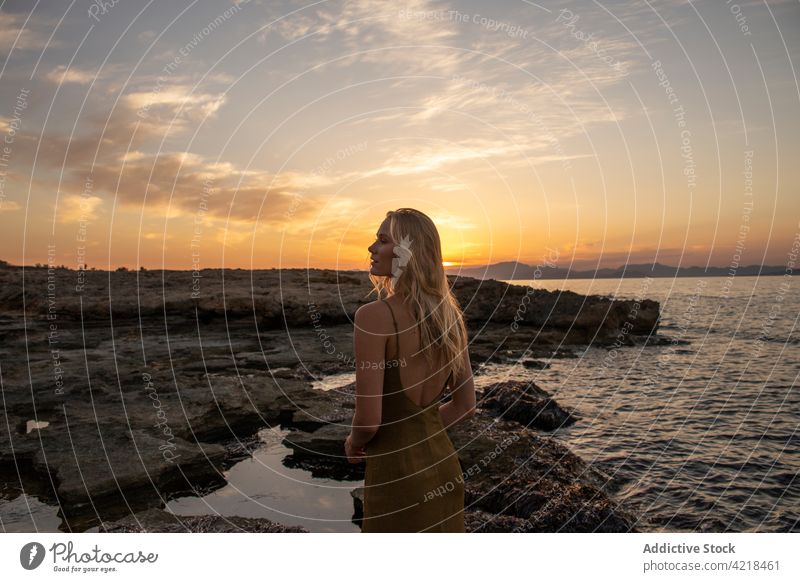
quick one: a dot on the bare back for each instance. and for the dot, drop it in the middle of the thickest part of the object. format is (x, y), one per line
(421, 383)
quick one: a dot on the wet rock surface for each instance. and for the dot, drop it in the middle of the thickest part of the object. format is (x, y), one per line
(152, 394)
(159, 521)
(525, 403)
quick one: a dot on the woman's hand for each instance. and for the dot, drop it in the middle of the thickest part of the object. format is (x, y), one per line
(354, 455)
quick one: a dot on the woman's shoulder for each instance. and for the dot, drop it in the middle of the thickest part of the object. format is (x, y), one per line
(372, 315)
(371, 307)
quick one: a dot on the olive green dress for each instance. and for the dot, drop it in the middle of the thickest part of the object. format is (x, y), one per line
(413, 479)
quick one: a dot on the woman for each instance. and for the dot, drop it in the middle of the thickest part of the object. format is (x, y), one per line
(409, 347)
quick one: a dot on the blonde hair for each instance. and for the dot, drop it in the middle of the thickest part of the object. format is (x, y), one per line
(425, 288)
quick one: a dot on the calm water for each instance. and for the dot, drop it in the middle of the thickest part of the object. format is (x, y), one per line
(263, 487)
(706, 434)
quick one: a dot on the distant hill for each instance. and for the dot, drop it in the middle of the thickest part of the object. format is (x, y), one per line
(511, 270)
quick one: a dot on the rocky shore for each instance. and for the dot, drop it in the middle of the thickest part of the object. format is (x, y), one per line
(124, 390)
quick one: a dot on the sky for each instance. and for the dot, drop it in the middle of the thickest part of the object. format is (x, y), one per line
(277, 134)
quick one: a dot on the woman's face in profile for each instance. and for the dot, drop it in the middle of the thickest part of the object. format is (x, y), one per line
(382, 251)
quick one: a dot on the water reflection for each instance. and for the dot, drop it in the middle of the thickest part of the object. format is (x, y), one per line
(23, 513)
(262, 487)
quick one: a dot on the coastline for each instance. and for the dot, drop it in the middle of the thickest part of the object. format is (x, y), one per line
(224, 366)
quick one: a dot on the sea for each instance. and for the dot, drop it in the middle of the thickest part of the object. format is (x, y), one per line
(699, 429)
(704, 434)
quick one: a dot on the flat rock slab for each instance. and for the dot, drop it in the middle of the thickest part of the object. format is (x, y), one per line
(287, 298)
(160, 521)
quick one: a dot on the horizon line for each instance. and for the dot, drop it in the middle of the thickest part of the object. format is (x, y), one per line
(448, 270)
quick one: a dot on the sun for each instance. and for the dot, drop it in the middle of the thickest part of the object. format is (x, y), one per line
(449, 264)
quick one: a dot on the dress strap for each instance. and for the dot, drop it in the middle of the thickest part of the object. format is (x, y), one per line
(450, 375)
(396, 333)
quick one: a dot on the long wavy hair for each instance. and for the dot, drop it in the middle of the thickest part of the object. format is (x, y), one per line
(424, 285)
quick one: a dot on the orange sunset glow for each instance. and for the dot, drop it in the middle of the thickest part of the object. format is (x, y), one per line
(246, 137)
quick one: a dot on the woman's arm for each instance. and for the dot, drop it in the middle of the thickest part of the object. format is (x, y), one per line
(462, 404)
(369, 347)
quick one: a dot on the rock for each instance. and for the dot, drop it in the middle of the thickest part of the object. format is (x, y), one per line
(527, 481)
(198, 377)
(358, 505)
(525, 403)
(101, 465)
(478, 521)
(535, 364)
(514, 472)
(108, 469)
(315, 409)
(129, 437)
(309, 298)
(322, 453)
(160, 521)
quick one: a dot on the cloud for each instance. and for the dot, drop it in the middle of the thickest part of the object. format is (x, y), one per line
(9, 206)
(184, 184)
(75, 208)
(156, 236)
(19, 32)
(147, 36)
(115, 151)
(62, 74)
(423, 158)
(378, 31)
(360, 23)
(491, 90)
(176, 99)
(108, 137)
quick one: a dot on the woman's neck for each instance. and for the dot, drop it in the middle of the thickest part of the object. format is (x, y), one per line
(400, 297)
